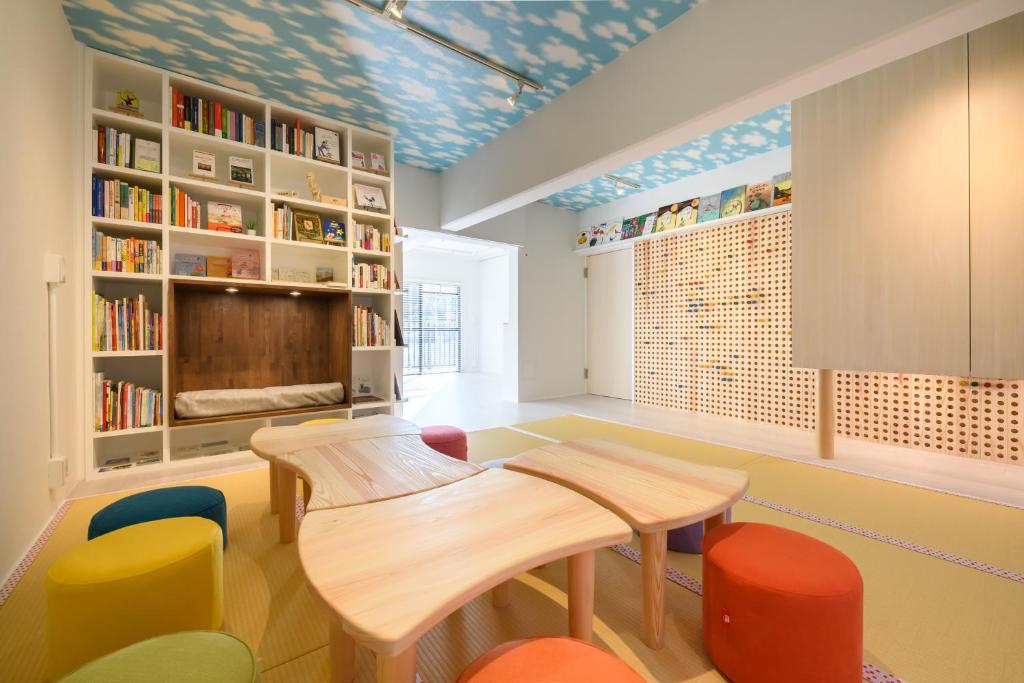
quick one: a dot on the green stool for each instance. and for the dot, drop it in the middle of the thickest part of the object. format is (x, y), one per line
(193, 656)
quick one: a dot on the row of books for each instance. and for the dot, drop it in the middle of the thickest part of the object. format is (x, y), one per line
(244, 263)
(125, 405)
(115, 147)
(370, 276)
(292, 139)
(284, 222)
(125, 255)
(213, 118)
(370, 238)
(118, 199)
(125, 324)
(732, 202)
(185, 212)
(369, 329)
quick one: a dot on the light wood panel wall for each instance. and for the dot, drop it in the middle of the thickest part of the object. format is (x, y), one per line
(997, 222)
(880, 214)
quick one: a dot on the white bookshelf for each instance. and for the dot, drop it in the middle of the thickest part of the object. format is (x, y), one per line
(274, 171)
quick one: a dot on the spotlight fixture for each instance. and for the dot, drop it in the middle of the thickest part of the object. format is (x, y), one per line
(295, 292)
(395, 8)
(621, 184)
(231, 290)
(513, 99)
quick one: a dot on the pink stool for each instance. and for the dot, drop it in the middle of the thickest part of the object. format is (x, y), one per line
(446, 439)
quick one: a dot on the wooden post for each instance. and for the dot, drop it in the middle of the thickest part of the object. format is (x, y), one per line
(286, 504)
(343, 653)
(581, 595)
(826, 418)
(273, 487)
(400, 668)
(713, 521)
(653, 561)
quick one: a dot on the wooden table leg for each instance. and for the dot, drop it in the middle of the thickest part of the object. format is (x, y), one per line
(714, 521)
(343, 653)
(501, 594)
(400, 668)
(653, 560)
(286, 503)
(581, 595)
(273, 487)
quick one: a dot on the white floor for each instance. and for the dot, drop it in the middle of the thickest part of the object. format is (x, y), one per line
(473, 402)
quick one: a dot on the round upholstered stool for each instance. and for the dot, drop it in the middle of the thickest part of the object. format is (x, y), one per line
(781, 606)
(194, 656)
(446, 439)
(496, 464)
(687, 539)
(140, 581)
(173, 501)
(548, 660)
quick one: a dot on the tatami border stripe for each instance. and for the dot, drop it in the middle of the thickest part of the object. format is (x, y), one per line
(891, 540)
(33, 552)
(869, 672)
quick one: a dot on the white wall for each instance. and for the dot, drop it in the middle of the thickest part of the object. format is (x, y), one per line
(494, 312)
(754, 169)
(417, 197)
(430, 265)
(41, 192)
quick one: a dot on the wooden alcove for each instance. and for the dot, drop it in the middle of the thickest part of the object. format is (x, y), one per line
(260, 336)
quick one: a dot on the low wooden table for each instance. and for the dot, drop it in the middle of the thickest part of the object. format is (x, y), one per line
(391, 570)
(270, 443)
(653, 492)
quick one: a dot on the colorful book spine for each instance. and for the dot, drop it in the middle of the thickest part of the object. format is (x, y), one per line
(118, 199)
(370, 276)
(369, 329)
(124, 405)
(185, 212)
(125, 325)
(291, 139)
(214, 118)
(112, 147)
(283, 223)
(126, 255)
(371, 239)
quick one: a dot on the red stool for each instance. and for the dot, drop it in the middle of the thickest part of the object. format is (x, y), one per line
(781, 606)
(548, 660)
(446, 439)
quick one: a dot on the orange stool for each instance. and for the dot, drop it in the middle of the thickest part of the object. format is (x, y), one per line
(548, 660)
(781, 606)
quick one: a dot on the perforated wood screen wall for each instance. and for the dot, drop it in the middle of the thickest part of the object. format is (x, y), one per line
(713, 332)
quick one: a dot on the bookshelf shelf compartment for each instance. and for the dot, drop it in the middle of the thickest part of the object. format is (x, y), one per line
(207, 189)
(196, 140)
(363, 213)
(125, 173)
(130, 124)
(369, 177)
(317, 207)
(127, 432)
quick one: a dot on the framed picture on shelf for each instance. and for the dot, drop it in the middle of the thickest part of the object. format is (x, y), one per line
(334, 232)
(369, 197)
(204, 165)
(358, 159)
(147, 155)
(308, 227)
(327, 144)
(324, 274)
(246, 264)
(224, 217)
(377, 163)
(240, 171)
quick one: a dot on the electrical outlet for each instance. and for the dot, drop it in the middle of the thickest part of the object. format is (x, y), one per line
(54, 269)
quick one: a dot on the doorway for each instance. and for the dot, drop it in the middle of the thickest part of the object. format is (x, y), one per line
(610, 324)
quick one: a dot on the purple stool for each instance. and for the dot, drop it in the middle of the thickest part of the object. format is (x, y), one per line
(686, 539)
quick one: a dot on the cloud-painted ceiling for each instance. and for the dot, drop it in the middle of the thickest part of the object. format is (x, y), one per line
(339, 61)
(759, 134)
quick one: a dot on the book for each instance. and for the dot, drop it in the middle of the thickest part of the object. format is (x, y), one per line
(124, 405)
(648, 221)
(190, 264)
(707, 210)
(125, 324)
(328, 145)
(782, 189)
(687, 212)
(246, 264)
(240, 170)
(399, 337)
(733, 201)
(334, 231)
(369, 328)
(630, 228)
(118, 199)
(211, 117)
(582, 239)
(369, 197)
(204, 165)
(358, 159)
(667, 216)
(218, 266)
(324, 274)
(125, 254)
(614, 231)
(370, 238)
(147, 155)
(759, 196)
(598, 235)
(370, 276)
(223, 217)
(377, 162)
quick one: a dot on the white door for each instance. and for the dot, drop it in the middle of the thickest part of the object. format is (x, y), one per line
(610, 324)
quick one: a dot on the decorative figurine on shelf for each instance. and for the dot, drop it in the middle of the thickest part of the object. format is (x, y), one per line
(127, 103)
(314, 186)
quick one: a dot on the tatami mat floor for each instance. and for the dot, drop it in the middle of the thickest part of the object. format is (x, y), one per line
(926, 619)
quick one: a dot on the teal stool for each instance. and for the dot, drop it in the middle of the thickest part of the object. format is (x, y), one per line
(193, 656)
(165, 503)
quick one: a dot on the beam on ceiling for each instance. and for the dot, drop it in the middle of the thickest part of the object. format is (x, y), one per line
(717, 64)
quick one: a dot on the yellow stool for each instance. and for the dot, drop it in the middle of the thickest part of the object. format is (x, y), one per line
(132, 584)
(323, 421)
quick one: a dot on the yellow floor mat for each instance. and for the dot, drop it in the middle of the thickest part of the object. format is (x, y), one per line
(488, 444)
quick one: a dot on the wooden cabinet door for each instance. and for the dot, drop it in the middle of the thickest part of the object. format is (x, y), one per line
(880, 219)
(997, 219)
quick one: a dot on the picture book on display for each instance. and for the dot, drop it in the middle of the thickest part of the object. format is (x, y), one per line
(193, 265)
(687, 212)
(224, 217)
(708, 209)
(246, 264)
(582, 239)
(759, 196)
(613, 231)
(733, 201)
(667, 216)
(218, 266)
(782, 189)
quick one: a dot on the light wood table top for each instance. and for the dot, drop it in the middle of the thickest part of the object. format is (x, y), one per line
(272, 442)
(652, 492)
(392, 570)
(368, 470)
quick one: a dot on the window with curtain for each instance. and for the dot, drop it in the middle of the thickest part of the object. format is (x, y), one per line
(432, 327)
